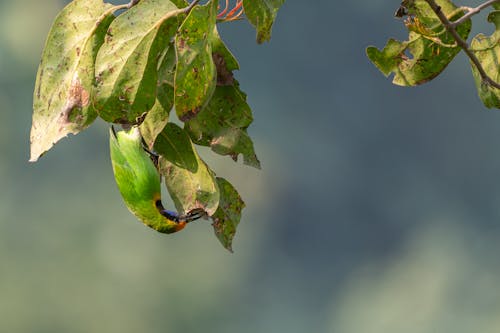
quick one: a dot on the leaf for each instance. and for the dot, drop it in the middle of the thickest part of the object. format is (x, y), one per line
(180, 3)
(228, 215)
(427, 52)
(224, 60)
(195, 75)
(62, 96)
(157, 117)
(222, 125)
(261, 14)
(127, 63)
(189, 181)
(153, 123)
(223, 122)
(487, 51)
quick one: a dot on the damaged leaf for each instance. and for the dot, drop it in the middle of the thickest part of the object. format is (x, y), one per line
(62, 96)
(195, 75)
(228, 215)
(428, 50)
(224, 60)
(127, 63)
(223, 124)
(487, 51)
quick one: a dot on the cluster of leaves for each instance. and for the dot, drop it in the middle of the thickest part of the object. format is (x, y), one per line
(431, 46)
(132, 65)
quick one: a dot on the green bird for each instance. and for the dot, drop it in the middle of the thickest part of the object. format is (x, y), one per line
(139, 182)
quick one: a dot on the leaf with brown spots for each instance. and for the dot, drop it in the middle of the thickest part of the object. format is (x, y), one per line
(189, 180)
(224, 60)
(63, 88)
(223, 124)
(228, 215)
(487, 49)
(127, 63)
(157, 117)
(428, 50)
(195, 76)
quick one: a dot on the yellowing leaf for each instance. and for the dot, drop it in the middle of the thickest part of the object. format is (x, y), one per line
(127, 63)
(157, 117)
(195, 76)
(487, 51)
(62, 96)
(428, 50)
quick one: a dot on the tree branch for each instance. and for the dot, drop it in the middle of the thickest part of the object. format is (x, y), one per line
(473, 11)
(462, 43)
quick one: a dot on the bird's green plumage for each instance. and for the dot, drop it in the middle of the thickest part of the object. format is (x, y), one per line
(138, 180)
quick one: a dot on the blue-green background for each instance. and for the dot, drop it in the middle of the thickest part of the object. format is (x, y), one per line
(377, 209)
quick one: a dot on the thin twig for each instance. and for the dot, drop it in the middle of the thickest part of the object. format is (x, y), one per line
(191, 6)
(231, 15)
(472, 11)
(132, 3)
(462, 43)
(221, 14)
(233, 11)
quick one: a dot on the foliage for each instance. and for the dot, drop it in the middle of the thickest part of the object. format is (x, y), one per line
(437, 32)
(132, 64)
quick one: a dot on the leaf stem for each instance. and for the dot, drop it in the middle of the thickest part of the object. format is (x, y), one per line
(472, 11)
(462, 43)
(132, 3)
(191, 6)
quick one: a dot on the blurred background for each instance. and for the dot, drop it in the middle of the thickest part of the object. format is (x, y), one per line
(377, 208)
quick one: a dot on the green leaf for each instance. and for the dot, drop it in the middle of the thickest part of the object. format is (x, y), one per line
(228, 215)
(195, 76)
(153, 123)
(62, 96)
(262, 13)
(428, 50)
(487, 51)
(222, 125)
(127, 63)
(157, 117)
(189, 181)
